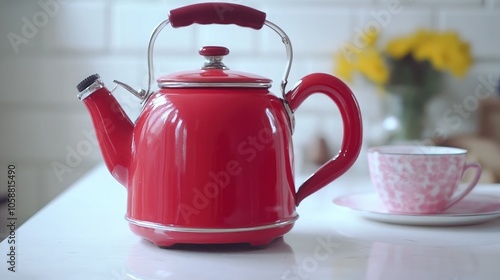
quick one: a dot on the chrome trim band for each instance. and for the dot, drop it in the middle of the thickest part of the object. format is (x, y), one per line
(206, 230)
(208, 85)
(97, 85)
(284, 38)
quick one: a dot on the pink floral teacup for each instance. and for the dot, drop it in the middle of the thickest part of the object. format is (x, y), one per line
(420, 179)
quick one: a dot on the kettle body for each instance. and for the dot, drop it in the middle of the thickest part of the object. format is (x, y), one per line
(212, 159)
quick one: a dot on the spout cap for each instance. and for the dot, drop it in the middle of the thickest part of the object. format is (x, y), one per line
(87, 82)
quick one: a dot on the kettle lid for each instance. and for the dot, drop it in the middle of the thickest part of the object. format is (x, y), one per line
(213, 74)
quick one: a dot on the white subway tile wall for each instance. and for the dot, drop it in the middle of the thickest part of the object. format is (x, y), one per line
(77, 27)
(48, 46)
(475, 25)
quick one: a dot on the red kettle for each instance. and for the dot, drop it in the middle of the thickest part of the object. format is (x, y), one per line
(210, 157)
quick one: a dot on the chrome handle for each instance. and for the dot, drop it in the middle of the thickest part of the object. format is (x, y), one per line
(284, 38)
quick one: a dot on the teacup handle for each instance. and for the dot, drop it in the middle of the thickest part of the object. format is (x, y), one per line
(471, 185)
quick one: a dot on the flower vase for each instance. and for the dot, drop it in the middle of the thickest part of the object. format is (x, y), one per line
(410, 112)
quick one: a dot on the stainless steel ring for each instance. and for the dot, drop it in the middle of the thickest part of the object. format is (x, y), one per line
(158, 226)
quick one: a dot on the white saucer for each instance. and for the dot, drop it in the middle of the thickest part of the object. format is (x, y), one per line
(473, 209)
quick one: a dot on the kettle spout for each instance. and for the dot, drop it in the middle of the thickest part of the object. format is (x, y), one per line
(112, 126)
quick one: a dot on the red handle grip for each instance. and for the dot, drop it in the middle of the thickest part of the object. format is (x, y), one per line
(217, 13)
(340, 93)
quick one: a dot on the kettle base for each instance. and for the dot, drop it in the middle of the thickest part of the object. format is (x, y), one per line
(168, 238)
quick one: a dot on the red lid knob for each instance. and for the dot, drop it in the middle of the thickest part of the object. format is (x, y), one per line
(213, 51)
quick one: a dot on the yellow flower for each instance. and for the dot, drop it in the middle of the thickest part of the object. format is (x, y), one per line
(344, 67)
(460, 60)
(370, 39)
(371, 64)
(445, 52)
(405, 45)
(432, 51)
(400, 47)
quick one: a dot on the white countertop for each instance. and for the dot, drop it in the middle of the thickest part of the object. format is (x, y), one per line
(82, 234)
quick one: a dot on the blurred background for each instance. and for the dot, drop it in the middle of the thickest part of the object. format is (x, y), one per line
(48, 46)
